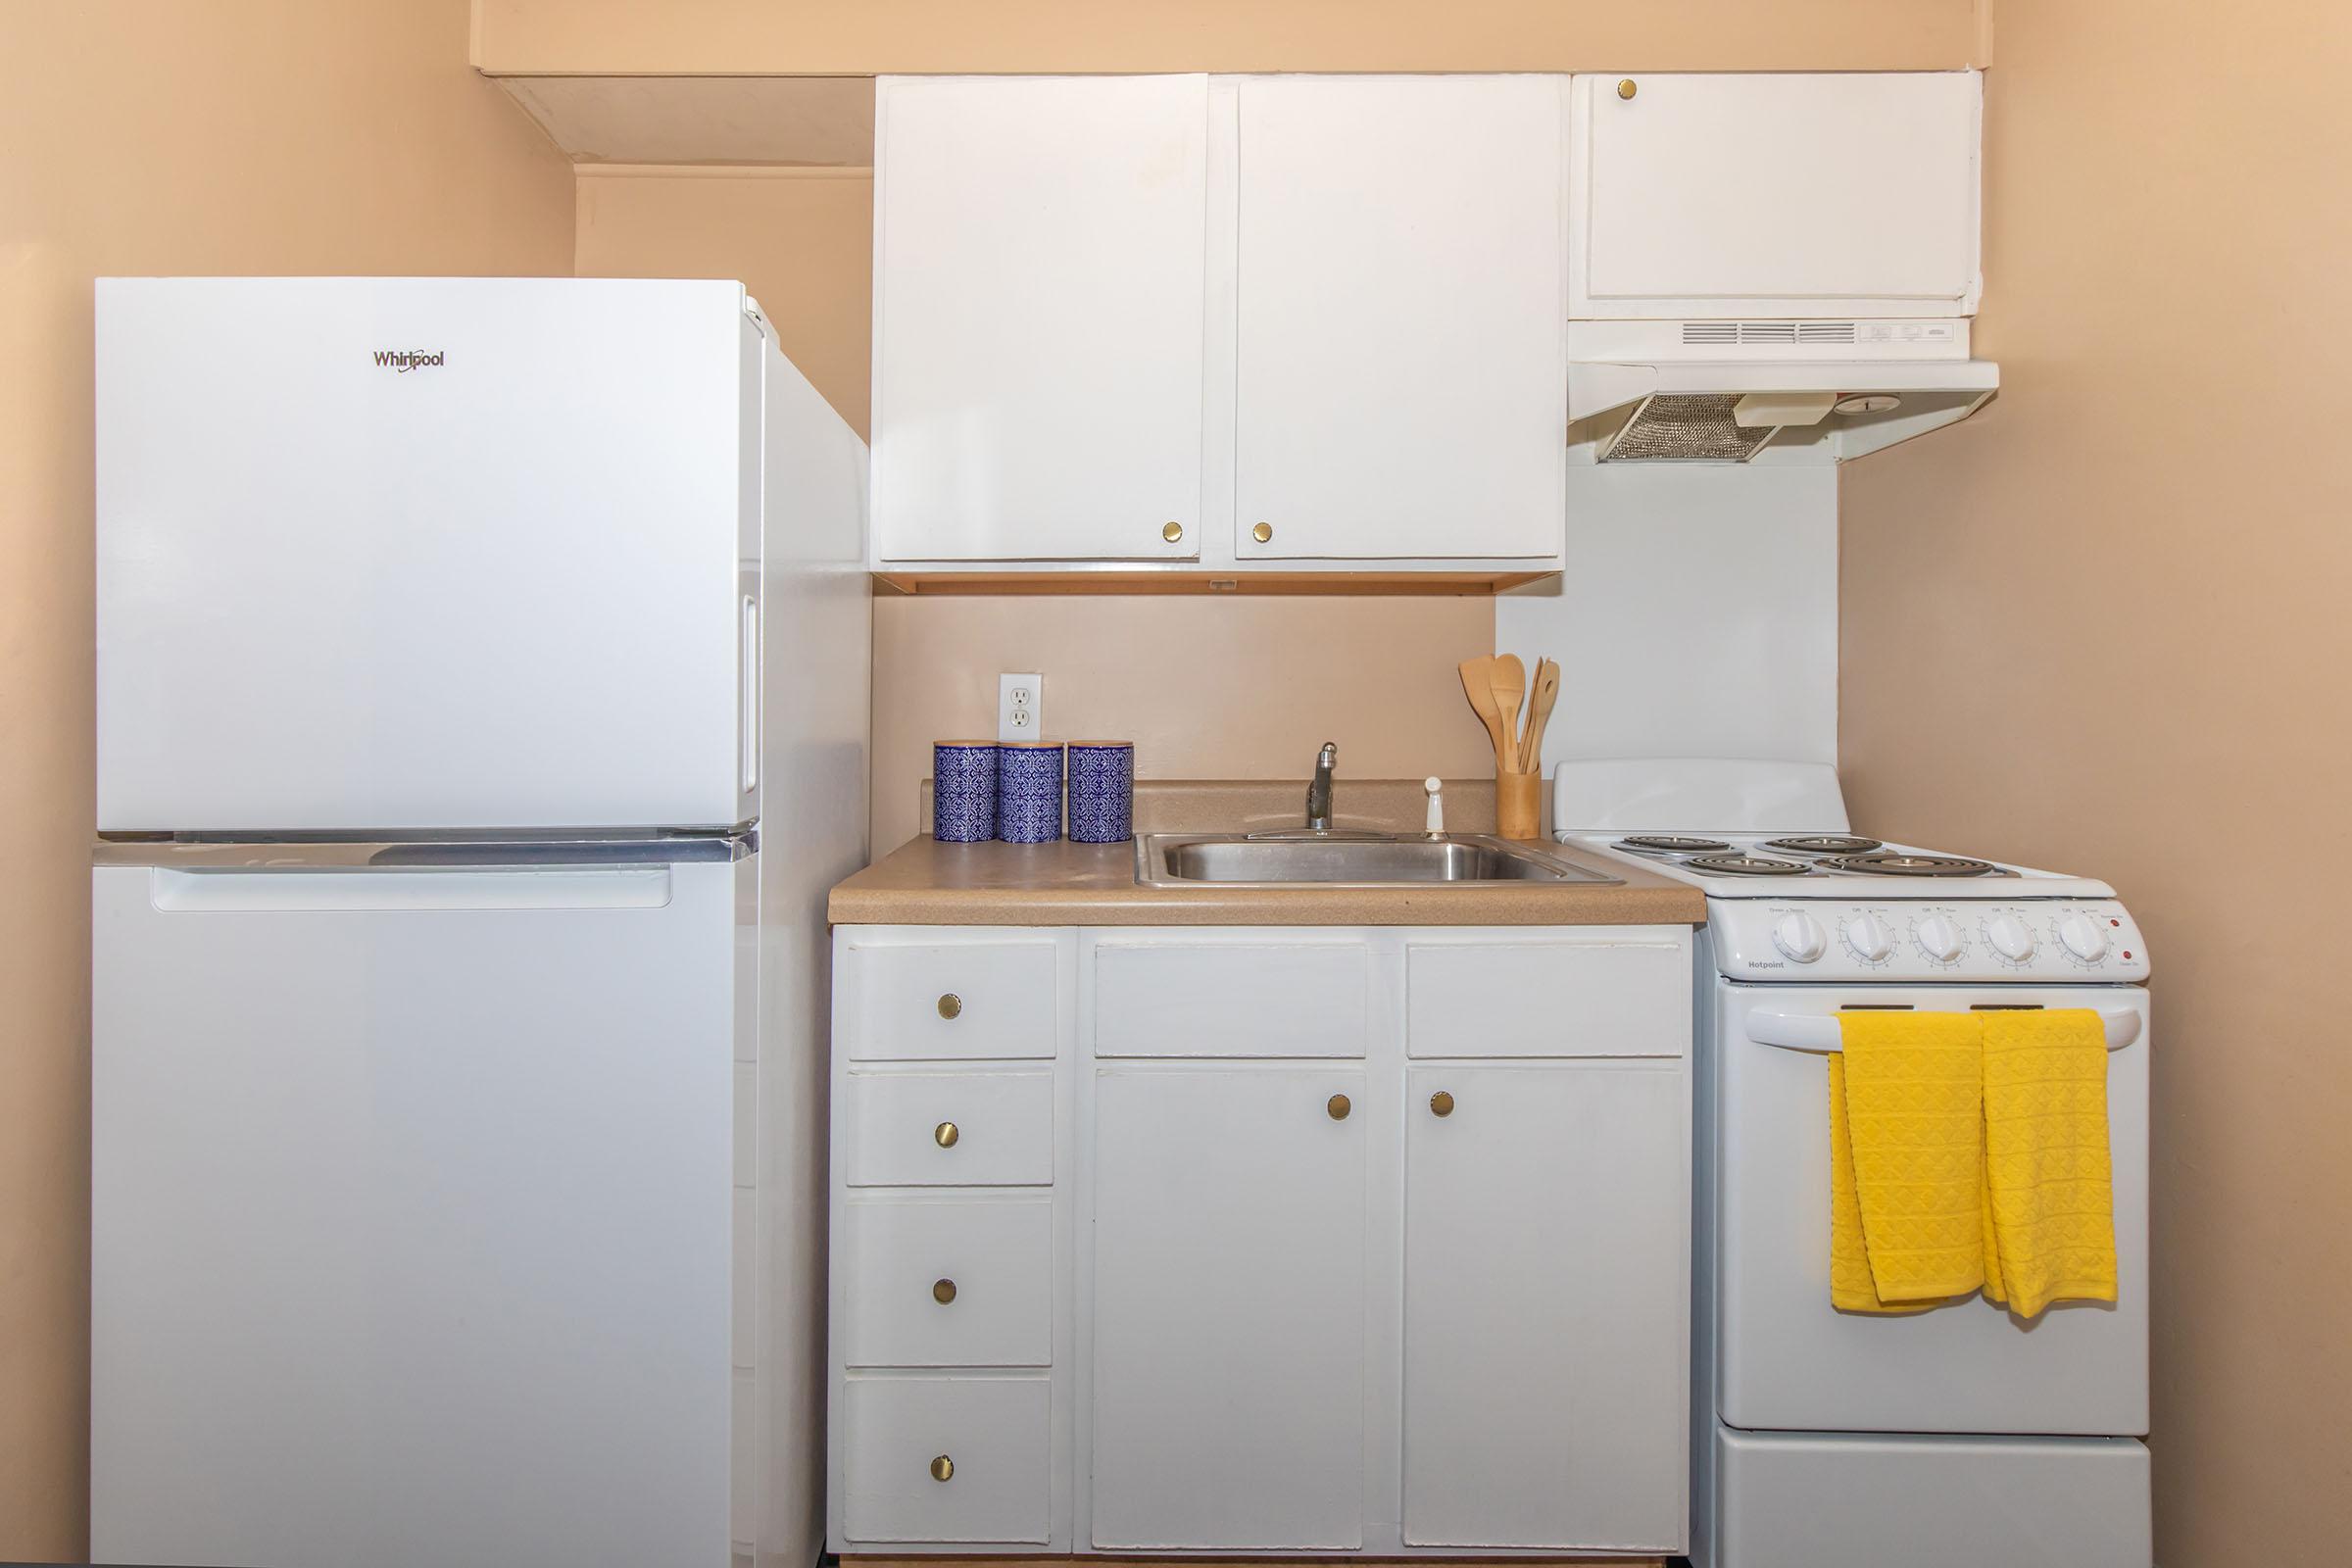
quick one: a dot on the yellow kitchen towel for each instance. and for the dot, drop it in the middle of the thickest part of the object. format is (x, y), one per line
(1906, 1160)
(2049, 1176)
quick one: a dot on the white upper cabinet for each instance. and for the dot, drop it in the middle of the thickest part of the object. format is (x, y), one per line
(1785, 194)
(1401, 355)
(1038, 293)
(1330, 311)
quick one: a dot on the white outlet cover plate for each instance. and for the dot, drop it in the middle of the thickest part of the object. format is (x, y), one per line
(1020, 708)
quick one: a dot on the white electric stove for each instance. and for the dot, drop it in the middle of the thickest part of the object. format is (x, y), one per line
(1826, 1440)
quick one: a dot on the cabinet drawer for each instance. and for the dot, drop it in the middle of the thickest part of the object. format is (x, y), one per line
(1230, 998)
(996, 1433)
(1620, 993)
(992, 1259)
(900, 1123)
(950, 1001)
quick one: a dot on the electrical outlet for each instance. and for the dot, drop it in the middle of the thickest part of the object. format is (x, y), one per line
(1020, 707)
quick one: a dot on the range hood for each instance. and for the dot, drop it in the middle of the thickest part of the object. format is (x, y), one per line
(1790, 391)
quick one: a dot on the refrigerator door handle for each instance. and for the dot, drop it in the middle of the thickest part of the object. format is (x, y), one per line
(213, 855)
(508, 888)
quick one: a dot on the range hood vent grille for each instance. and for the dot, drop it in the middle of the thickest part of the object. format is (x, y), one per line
(1688, 429)
(1782, 334)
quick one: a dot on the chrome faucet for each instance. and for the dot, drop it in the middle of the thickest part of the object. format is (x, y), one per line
(1318, 792)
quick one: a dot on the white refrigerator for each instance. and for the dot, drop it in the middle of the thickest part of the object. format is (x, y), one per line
(482, 709)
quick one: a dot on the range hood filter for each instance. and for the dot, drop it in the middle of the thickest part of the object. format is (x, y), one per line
(1687, 428)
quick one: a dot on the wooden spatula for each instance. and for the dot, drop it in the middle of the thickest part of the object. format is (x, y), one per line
(1509, 678)
(1538, 714)
(1478, 684)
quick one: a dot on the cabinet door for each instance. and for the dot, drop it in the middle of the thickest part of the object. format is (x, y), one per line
(1228, 1309)
(1038, 314)
(1402, 354)
(1808, 195)
(1547, 1329)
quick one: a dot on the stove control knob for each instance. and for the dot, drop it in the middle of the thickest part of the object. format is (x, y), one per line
(1800, 937)
(1939, 938)
(2010, 937)
(1867, 935)
(2084, 938)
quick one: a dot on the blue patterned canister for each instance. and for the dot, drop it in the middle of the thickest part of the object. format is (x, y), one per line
(1102, 792)
(963, 791)
(1029, 792)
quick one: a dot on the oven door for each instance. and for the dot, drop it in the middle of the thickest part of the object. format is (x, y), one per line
(1786, 1361)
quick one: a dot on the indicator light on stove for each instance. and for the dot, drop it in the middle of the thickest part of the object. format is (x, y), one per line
(1798, 937)
(2083, 938)
(1867, 935)
(2010, 937)
(1939, 938)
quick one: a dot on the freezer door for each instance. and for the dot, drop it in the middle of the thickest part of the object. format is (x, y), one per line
(1788, 1360)
(417, 1202)
(424, 553)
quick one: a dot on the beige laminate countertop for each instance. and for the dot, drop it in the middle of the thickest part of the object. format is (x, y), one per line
(924, 882)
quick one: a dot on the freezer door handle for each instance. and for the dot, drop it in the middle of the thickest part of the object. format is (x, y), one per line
(1818, 1032)
(750, 689)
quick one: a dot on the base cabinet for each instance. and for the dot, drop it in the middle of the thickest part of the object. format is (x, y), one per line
(1229, 1214)
(1222, 1282)
(1545, 1224)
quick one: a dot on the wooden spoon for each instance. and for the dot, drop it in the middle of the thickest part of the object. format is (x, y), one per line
(1538, 714)
(1478, 685)
(1509, 679)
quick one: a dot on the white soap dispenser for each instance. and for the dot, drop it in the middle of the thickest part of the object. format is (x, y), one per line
(1437, 807)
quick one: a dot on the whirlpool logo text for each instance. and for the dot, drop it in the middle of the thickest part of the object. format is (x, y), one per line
(404, 360)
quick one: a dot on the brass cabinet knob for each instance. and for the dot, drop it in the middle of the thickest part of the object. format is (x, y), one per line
(951, 1006)
(944, 1135)
(943, 1291)
(942, 1468)
(1440, 1104)
(1626, 89)
(1172, 532)
(1262, 532)
(1339, 1106)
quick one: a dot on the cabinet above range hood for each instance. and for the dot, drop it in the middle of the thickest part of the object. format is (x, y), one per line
(1794, 391)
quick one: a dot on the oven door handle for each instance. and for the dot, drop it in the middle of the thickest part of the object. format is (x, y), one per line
(1820, 1031)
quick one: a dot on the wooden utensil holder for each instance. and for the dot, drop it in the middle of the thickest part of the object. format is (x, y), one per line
(1519, 805)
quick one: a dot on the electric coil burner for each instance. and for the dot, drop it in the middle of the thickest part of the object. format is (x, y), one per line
(1899, 863)
(1677, 844)
(1825, 844)
(1746, 865)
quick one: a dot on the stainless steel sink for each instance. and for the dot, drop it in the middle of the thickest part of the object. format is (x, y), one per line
(1345, 858)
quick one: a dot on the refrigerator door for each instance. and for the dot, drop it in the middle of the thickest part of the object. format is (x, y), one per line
(426, 553)
(422, 1206)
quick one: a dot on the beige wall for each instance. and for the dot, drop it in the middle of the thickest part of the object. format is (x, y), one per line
(859, 37)
(234, 136)
(2103, 627)
(800, 238)
(1206, 687)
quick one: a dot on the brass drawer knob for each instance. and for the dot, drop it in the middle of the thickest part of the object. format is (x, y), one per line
(942, 1468)
(944, 1135)
(1626, 89)
(943, 1291)
(1172, 532)
(1339, 1106)
(951, 1006)
(1263, 532)
(1440, 1104)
